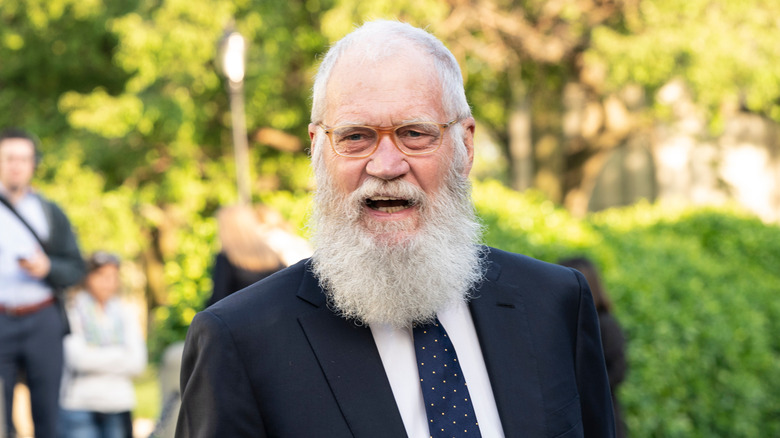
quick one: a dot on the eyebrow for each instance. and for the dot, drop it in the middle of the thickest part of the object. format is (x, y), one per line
(402, 122)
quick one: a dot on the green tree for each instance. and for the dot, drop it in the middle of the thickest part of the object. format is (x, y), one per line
(726, 51)
(132, 112)
(522, 58)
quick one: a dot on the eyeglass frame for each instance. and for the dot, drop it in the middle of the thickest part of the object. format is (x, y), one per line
(389, 131)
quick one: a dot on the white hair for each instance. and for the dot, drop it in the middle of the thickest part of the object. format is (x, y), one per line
(376, 40)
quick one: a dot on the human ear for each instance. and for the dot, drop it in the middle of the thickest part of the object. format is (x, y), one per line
(468, 141)
(312, 135)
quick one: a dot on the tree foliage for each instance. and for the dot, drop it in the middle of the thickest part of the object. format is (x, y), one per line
(726, 51)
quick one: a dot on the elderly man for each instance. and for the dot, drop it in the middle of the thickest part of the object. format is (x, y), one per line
(39, 257)
(401, 324)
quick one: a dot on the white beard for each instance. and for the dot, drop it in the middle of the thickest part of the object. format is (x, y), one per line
(402, 272)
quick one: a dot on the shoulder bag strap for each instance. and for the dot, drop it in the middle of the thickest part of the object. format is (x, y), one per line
(23, 221)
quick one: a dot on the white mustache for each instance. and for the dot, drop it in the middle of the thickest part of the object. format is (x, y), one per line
(375, 187)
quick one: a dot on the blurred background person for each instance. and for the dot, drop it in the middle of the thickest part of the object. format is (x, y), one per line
(104, 351)
(612, 337)
(256, 242)
(39, 258)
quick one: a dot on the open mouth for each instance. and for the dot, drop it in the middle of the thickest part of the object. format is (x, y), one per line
(388, 204)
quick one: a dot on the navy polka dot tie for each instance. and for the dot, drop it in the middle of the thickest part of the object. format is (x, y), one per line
(447, 400)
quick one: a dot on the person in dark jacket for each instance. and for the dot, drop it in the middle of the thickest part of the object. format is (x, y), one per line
(256, 242)
(612, 337)
(39, 258)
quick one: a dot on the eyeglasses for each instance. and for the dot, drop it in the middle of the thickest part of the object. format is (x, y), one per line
(360, 141)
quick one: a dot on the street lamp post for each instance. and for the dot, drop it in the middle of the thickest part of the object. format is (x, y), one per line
(232, 50)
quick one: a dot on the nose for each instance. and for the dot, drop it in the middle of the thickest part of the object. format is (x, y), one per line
(387, 162)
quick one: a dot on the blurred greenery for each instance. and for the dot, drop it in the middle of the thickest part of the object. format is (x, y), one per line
(147, 394)
(135, 128)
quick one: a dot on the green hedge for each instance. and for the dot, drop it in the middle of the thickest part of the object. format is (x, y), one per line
(696, 292)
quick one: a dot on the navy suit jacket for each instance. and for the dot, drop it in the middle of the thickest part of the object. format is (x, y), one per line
(274, 360)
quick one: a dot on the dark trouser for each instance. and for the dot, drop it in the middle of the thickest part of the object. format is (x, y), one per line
(33, 343)
(88, 424)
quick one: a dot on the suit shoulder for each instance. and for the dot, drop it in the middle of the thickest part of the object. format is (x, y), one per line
(522, 267)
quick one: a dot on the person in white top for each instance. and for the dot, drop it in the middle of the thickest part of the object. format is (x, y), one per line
(104, 351)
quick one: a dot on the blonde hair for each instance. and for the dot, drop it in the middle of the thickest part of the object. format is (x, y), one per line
(243, 232)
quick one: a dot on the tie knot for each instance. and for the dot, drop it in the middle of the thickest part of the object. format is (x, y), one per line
(433, 326)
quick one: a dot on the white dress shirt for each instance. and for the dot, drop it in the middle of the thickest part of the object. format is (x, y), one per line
(17, 288)
(396, 348)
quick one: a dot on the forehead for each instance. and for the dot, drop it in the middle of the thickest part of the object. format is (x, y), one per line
(399, 87)
(17, 146)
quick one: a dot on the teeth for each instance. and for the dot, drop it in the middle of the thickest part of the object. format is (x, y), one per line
(388, 204)
(390, 209)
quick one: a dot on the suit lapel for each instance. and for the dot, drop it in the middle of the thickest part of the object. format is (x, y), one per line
(501, 321)
(352, 366)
